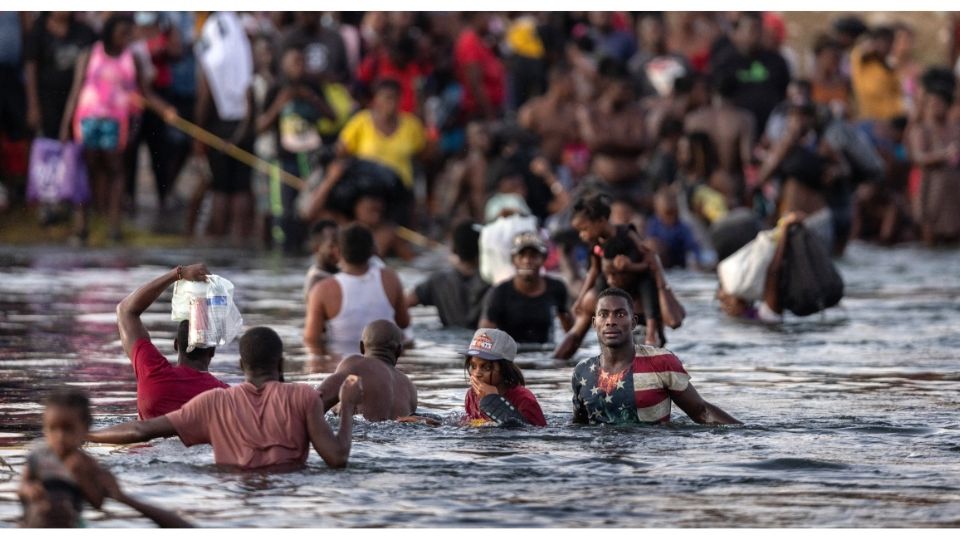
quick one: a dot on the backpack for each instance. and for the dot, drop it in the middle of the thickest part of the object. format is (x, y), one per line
(809, 281)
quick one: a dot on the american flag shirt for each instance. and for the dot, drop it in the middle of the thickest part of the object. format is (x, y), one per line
(638, 394)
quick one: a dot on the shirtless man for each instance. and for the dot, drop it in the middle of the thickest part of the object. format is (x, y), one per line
(551, 116)
(388, 393)
(730, 129)
(614, 130)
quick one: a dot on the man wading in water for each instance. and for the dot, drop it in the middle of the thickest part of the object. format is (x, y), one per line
(628, 385)
(262, 422)
(389, 393)
(161, 386)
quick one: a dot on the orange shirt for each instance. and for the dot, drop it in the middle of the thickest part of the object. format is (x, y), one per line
(250, 428)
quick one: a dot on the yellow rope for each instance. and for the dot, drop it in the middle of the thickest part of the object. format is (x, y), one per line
(241, 155)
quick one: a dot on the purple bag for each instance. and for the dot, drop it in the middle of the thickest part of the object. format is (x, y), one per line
(57, 173)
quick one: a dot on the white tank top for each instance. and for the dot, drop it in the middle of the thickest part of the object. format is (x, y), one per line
(363, 301)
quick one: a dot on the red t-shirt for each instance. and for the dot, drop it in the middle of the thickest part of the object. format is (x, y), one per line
(378, 66)
(470, 49)
(250, 427)
(163, 387)
(521, 398)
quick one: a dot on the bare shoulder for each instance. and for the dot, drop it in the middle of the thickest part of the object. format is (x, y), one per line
(389, 277)
(352, 365)
(322, 289)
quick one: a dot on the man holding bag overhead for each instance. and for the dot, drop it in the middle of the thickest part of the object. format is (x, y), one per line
(163, 387)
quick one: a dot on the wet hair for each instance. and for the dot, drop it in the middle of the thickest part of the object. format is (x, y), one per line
(110, 26)
(615, 291)
(183, 338)
(466, 242)
(387, 84)
(321, 226)
(356, 244)
(593, 207)
(261, 350)
(620, 244)
(71, 398)
(509, 372)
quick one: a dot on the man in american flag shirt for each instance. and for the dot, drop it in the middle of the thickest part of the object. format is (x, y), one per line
(627, 384)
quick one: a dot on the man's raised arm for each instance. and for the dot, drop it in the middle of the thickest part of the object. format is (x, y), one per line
(131, 307)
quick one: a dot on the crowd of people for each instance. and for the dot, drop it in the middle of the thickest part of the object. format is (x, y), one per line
(571, 157)
(416, 120)
(268, 425)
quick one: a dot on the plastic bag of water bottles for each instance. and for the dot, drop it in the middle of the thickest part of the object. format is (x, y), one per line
(208, 305)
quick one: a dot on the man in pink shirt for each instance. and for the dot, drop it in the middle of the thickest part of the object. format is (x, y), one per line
(262, 422)
(163, 387)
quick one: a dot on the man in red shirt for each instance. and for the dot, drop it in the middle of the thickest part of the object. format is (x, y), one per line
(163, 387)
(262, 422)
(479, 70)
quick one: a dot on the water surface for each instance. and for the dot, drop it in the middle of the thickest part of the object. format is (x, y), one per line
(852, 419)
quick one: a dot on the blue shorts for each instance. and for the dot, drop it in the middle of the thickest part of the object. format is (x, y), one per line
(100, 133)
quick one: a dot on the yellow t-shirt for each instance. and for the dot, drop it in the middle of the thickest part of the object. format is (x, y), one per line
(361, 138)
(875, 87)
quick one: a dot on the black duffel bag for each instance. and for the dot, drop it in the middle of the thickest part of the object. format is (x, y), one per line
(809, 282)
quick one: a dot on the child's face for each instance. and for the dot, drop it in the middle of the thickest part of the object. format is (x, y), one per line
(589, 230)
(485, 371)
(64, 430)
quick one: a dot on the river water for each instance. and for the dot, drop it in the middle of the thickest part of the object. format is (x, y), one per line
(851, 419)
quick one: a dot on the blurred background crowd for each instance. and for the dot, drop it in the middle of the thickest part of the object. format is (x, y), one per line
(409, 122)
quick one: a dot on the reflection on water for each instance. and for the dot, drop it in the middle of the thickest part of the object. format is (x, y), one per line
(851, 418)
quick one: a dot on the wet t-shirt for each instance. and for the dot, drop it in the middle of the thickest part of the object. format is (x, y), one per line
(458, 298)
(249, 427)
(638, 394)
(519, 397)
(527, 319)
(163, 387)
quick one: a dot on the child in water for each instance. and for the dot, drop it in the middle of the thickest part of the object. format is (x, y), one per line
(497, 393)
(59, 476)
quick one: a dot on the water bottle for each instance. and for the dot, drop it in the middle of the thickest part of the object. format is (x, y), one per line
(216, 316)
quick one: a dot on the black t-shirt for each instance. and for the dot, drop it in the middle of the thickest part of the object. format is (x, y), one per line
(458, 298)
(526, 319)
(762, 80)
(56, 59)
